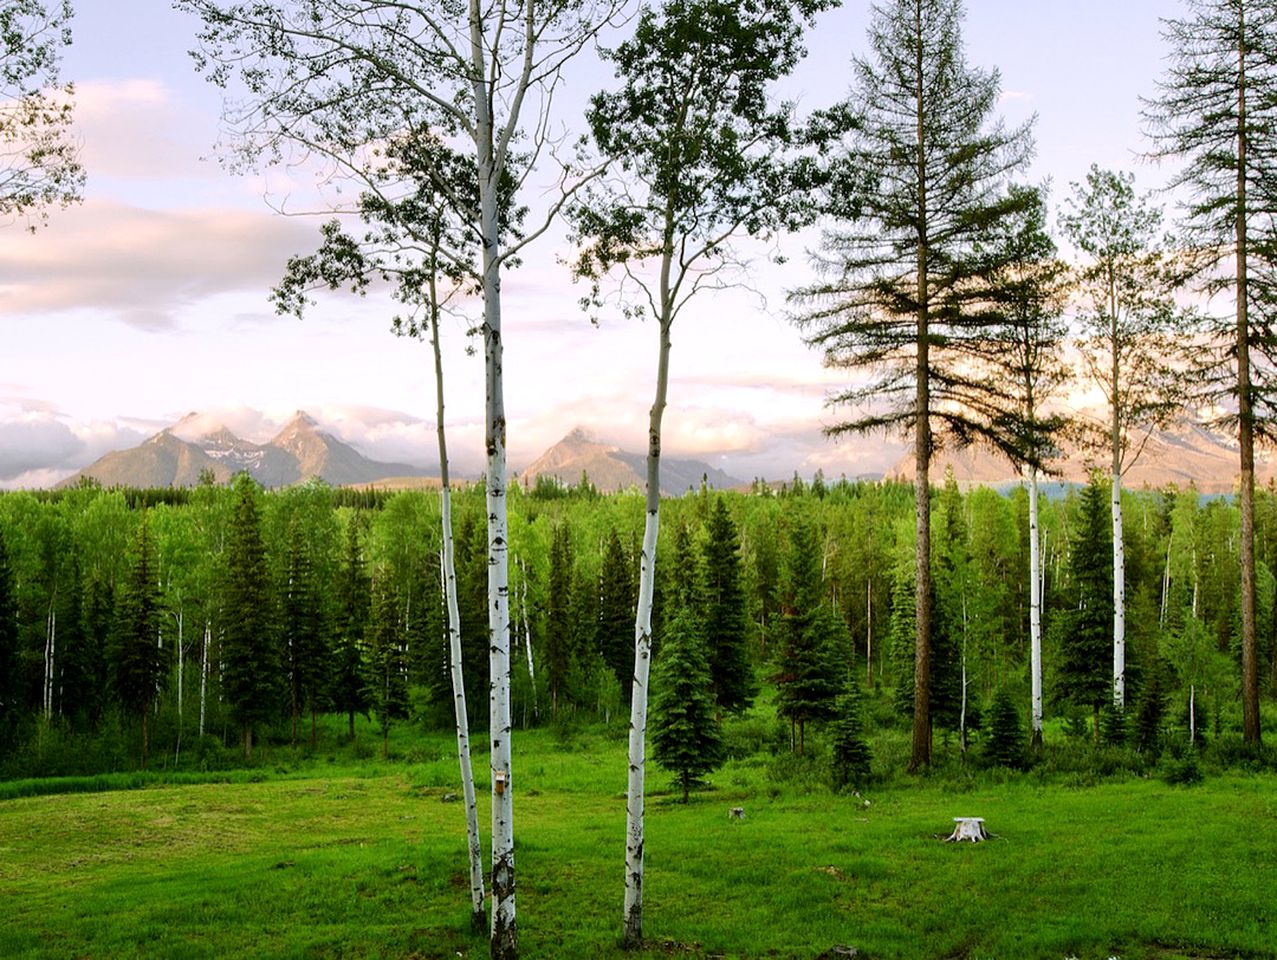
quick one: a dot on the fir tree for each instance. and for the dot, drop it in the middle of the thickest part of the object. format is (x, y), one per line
(949, 637)
(617, 601)
(387, 666)
(722, 614)
(10, 688)
(1086, 638)
(250, 653)
(139, 659)
(305, 631)
(686, 738)
(558, 624)
(1005, 747)
(852, 756)
(347, 690)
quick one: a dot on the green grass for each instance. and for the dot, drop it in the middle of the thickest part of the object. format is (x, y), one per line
(363, 858)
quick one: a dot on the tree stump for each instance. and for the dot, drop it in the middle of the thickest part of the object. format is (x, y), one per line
(967, 828)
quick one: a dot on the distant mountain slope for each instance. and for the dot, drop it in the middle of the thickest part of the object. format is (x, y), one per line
(610, 468)
(177, 455)
(1188, 453)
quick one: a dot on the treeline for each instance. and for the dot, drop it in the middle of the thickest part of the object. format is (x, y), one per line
(234, 613)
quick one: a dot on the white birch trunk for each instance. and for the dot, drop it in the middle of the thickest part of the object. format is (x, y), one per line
(179, 670)
(962, 715)
(1035, 608)
(1119, 596)
(869, 632)
(1192, 713)
(504, 942)
(527, 643)
(448, 574)
(208, 632)
(50, 660)
(632, 932)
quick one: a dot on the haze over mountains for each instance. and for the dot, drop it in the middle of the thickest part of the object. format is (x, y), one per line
(177, 455)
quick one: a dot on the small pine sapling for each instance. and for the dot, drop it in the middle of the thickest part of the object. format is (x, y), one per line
(1005, 747)
(852, 756)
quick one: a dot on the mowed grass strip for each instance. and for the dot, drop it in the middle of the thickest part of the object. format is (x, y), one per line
(357, 867)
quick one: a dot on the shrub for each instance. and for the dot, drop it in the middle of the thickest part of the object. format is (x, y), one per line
(1005, 745)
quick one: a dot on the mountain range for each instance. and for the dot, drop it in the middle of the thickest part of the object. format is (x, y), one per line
(178, 455)
(610, 468)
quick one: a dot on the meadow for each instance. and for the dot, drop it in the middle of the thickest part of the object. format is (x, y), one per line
(336, 853)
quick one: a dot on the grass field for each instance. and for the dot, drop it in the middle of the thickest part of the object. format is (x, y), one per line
(365, 859)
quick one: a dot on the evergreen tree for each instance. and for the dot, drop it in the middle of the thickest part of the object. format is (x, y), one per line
(1086, 638)
(387, 665)
(852, 757)
(686, 737)
(806, 684)
(910, 283)
(617, 601)
(558, 623)
(347, 691)
(949, 636)
(10, 687)
(1005, 747)
(722, 614)
(250, 652)
(1216, 111)
(139, 660)
(304, 626)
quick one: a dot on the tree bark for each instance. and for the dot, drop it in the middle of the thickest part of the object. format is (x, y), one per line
(1035, 608)
(478, 915)
(632, 932)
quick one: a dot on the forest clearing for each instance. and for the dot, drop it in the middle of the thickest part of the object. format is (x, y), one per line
(328, 856)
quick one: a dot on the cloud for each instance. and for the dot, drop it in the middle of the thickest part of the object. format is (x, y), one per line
(38, 448)
(145, 267)
(137, 129)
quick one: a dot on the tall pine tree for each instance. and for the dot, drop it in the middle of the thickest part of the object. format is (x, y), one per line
(722, 614)
(1085, 630)
(686, 737)
(139, 659)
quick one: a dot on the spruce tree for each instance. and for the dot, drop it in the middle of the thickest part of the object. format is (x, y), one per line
(1086, 638)
(918, 184)
(949, 632)
(1005, 746)
(138, 659)
(354, 598)
(250, 651)
(852, 757)
(617, 601)
(686, 737)
(722, 614)
(304, 627)
(387, 665)
(558, 624)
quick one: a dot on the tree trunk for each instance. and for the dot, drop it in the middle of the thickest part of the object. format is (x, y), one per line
(350, 716)
(146, 734)
(1192, 713)
(632, 930)
(1119, 590)
(248, 741)
(921, 755)
(1245, 421)
(208, 630)
(527, 647)
(869, 632)
(1035, 609)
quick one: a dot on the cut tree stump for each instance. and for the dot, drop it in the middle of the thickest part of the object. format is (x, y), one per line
(967, 828)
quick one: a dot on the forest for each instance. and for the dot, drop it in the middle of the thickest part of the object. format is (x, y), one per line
(157, 627)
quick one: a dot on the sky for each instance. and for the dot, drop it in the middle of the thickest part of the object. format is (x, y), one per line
(150, 299)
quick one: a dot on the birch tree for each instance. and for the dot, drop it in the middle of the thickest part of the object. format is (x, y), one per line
(412, 238)
(1032, 372)
(1216, 110)
(39, 159)
(324, 79)
(919, 177)
(697, 143)
(1127, 320)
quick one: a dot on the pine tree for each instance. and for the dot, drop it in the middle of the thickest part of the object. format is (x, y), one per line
(347, 691)
(305, 631)
(909, 291)
(616, 613)
(722, 614)
(139, 660)
(806, 684)
(1086, 640)
(1216, 110)
(1005, 746)
(949, 636)
(387, 666)
(852, 758)
(558, 624)
(250, 652)
(686, 737)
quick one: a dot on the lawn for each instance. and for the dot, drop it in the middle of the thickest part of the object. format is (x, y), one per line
(366, 859)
